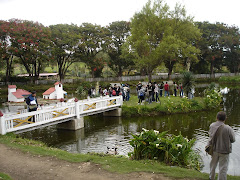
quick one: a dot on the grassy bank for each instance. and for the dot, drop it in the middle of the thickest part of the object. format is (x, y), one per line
(4, 176)
(167, 105)
(230, 79)
(111, 163)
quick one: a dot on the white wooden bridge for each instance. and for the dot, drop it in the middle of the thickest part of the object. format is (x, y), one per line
(61, 112)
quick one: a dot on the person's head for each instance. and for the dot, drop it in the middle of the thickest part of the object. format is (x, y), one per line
(221, 116)
(166, 82)
(33, 93)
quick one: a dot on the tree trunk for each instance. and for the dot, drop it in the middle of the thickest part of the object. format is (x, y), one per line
(170, 68)
(9, 67)
(211, 69)
(119, 71)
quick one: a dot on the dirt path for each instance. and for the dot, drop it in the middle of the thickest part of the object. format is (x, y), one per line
(24, 166)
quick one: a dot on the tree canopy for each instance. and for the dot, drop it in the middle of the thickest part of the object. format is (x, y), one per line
(161, 35)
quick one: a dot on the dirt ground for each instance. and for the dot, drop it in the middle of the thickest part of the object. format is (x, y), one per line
(25, 166)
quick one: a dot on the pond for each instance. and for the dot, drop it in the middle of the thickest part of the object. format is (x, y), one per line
(102, 132)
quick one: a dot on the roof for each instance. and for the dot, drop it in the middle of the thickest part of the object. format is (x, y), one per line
(57, 83)
(40, 74)
(49, 91)
(20, 93)
(12, 86)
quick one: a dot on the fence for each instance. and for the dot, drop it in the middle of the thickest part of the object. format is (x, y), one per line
(128, 78)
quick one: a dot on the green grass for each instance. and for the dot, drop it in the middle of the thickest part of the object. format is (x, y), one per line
(168, 105)
(229, 79)
(118, 164)
(4, 176)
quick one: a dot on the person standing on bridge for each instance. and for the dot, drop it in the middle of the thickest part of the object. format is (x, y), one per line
(32, 103)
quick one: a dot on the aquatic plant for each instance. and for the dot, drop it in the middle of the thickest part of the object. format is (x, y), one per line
(171, 149)
(212, 98)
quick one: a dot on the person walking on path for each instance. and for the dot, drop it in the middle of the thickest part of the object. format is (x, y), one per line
(166, 88)
(222, 146)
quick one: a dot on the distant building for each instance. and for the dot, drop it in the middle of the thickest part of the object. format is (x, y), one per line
(56, 92)
(16, 95)
(42, 75)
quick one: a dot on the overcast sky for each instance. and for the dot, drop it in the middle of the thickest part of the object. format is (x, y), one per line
(103, 12)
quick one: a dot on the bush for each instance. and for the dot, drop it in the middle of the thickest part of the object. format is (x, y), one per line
(213, 98)
(171, 149)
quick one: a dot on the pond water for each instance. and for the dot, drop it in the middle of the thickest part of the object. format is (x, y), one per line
(102, 132)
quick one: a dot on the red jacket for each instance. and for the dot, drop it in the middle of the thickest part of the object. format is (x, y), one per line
(166, 87)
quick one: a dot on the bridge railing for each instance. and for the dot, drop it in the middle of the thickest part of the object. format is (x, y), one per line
(48, 114)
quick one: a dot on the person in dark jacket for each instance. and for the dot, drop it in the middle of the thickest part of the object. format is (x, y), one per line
(32, 104)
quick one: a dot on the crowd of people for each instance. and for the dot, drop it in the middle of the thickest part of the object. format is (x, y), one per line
(152, 91)
(115, 90)
(146, 92)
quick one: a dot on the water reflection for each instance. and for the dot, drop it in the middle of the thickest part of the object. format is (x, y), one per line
(102, 132)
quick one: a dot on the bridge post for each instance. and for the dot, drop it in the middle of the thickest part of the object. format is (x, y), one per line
(114, 113)
(76, 123)
(2, 126)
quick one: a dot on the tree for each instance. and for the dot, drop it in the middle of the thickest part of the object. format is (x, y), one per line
(178, 42)
(29, 41)
(119, 31)
(65, 40)
(5, 55)
(231, 42)
(160, 35)
(93, 40)
(188, 83)
(211, 44)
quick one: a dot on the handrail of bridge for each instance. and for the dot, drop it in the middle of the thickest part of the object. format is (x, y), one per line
(16, 122)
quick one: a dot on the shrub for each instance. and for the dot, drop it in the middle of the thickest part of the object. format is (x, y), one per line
(212, 98)
(171, 149)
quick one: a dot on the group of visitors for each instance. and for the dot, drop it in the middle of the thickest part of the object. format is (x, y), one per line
(151, 91)
(116, 90)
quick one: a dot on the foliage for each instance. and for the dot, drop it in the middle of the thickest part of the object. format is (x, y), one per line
(65, 39)
(188, 82)
(171, 149)
(81, 91)
(119, 31)
(231, 79)
(93, 41)
(212, 98)
(160, 35)
(232, 49)
(212, 44)
(29, 41)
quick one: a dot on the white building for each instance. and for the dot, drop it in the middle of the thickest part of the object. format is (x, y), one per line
(56, 92)
(16, 95)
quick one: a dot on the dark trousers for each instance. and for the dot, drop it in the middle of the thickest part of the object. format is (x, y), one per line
(32, 118)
